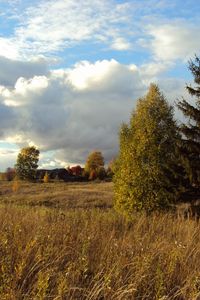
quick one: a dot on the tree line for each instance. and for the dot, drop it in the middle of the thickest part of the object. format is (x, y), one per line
(26, 168)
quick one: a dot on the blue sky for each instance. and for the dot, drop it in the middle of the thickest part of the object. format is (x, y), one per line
(71, 71)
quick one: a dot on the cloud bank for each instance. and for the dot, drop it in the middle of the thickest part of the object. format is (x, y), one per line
(72, 111)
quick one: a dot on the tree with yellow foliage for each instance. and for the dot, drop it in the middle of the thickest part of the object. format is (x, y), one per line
(144, 174)
(94, 165)
(46, 178)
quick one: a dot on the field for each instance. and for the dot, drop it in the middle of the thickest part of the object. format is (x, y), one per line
(65, 241)
(57, 195)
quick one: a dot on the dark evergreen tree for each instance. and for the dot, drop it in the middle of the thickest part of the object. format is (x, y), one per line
(190, 143)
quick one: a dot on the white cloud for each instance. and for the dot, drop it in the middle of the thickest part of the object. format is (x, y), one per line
(9, 48)
(173, 41)
(7, 157)
(120, 44)
(104, 76)
(51, 26)
(51, 162)
(85, 74)
(150, 72)
(35, 85)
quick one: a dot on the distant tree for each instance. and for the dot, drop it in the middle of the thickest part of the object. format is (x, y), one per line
(110, 169)
(10, 174)
(86, 174)
(101, 174)
(93, 175)
(143, 178)
(27, 163)
(76, 170)
(94, 161)
(190, 143)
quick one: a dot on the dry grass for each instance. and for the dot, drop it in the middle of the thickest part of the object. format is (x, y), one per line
(58, 194)
(93, 253)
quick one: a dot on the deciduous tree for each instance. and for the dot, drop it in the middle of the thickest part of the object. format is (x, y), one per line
(144, 169)
(27, 163)
(94, 162)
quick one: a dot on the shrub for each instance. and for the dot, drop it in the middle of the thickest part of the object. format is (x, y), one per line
(46, 178)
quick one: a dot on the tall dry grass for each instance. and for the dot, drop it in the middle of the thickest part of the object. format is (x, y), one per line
(95, 254)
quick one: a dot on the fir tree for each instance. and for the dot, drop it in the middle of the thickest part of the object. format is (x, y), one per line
(190, 143)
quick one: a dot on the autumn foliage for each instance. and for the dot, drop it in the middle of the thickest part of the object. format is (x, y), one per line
(46, 178)
(147, 154)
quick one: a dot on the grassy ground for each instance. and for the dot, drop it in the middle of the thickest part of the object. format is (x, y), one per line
(58, 194)
(91, 253)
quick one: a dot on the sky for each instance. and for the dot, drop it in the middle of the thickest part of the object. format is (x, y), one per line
(71, 71)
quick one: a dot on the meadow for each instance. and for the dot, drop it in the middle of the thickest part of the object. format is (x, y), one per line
(65, 241)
